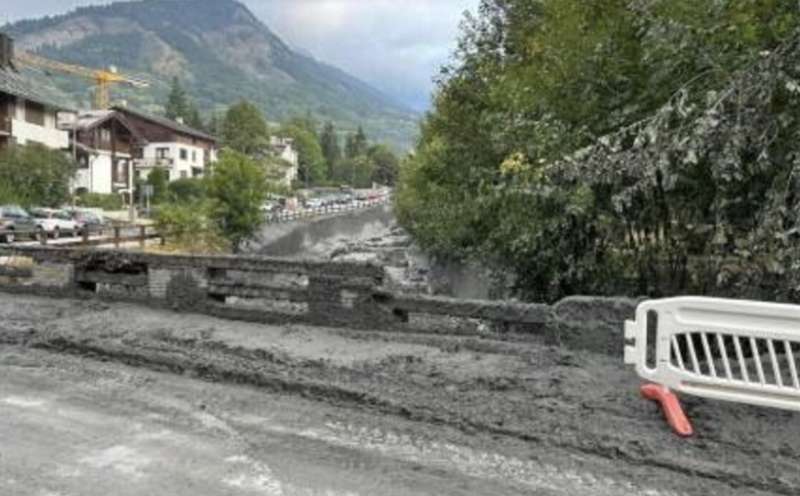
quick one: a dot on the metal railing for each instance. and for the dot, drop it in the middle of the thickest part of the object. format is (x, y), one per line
(147, 163)
(741, 351)
(116, 235)
(306, 213)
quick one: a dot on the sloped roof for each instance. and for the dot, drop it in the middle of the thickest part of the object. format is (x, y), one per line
(89, 119)
(27, 87)
(92, 118)
(167, 123)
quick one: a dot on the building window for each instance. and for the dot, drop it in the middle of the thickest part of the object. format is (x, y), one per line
(162, 153)
(184, 175)
(184, 154)
(105, 136)
(34, 113)
(194, 156)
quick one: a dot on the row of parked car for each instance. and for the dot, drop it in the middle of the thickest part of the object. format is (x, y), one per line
(280, 204)
(17, 223)
(341, 199)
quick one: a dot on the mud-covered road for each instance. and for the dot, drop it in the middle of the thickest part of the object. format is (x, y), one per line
(102, 398)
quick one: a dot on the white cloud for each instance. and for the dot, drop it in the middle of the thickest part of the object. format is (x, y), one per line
(397, 45)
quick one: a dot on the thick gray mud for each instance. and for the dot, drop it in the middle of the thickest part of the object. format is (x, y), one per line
(558, 415)
(319, 238)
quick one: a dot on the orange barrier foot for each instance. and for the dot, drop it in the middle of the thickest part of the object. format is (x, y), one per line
(673, 411)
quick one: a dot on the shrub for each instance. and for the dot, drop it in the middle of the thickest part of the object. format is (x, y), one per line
(99, 200)
(187, 190)
(190, 227)
(33, 175)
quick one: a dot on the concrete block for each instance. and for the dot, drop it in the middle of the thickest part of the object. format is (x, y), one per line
(52, 275)
(591, 323)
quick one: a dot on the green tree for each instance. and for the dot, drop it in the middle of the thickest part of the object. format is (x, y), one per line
(178, 105)
(386, 165)
(501, 171)
(190, 227)
(194, 120)
(356, 172)
(33, 175)
(159, 180)
(331, 150)
(187, 190)
(237, 188)
(357, 144)
(245, 129)
(311, 161)
(307, 122)
(214, 125)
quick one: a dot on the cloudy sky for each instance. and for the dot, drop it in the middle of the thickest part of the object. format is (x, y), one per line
(396, 45)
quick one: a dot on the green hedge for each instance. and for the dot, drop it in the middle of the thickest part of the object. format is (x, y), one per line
(98, 200)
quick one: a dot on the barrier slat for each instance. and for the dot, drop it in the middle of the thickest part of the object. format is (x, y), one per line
(699, 349)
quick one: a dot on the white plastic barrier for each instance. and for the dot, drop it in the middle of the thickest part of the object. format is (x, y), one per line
(732, 350)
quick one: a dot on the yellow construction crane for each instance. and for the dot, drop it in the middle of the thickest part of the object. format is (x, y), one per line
(103, 79)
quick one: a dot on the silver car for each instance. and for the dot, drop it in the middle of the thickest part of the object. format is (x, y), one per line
(15, 222)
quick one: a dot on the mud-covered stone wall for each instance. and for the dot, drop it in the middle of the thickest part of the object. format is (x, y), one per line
(280, 291)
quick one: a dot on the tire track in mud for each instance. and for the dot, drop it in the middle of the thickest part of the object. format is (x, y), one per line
(339, 386)
(538, 404)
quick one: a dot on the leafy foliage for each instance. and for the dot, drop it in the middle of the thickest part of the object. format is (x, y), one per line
(237, 188)
(245, 129)
(110, 202)
(385, 165)
(180, 106)
(33, 175)
(356, 144)
(190, 227)
(159, 180)
(187, 190)
(616, 146)
(329, 141)
(311, 161)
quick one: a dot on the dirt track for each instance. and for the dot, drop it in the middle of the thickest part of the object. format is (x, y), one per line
(553, 411)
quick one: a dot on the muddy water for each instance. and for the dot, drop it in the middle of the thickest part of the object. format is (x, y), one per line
(318, 238)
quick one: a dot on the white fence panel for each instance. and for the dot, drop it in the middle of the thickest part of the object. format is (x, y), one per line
(731, 350)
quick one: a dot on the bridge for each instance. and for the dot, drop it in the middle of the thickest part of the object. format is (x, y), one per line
(250, 368)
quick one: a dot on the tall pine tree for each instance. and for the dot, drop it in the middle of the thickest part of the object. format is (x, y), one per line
(177, 101)
(330, 147)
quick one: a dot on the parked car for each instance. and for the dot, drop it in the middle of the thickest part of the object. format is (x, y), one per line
(88, 221)
(14, 222)
(313, 203)
(54, 222)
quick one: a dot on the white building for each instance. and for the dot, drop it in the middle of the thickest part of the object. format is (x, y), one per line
(26, 116)
(287, 170)
(104, 147)
(184, 151)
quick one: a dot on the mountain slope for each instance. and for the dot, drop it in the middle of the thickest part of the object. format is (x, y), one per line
(221, 52)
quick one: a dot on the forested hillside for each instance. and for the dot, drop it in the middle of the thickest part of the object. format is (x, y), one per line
(221, 53)
(644, 147)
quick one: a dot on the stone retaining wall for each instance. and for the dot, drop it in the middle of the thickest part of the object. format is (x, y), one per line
(277, 291)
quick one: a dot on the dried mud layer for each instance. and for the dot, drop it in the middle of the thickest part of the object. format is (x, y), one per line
(572, 422)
